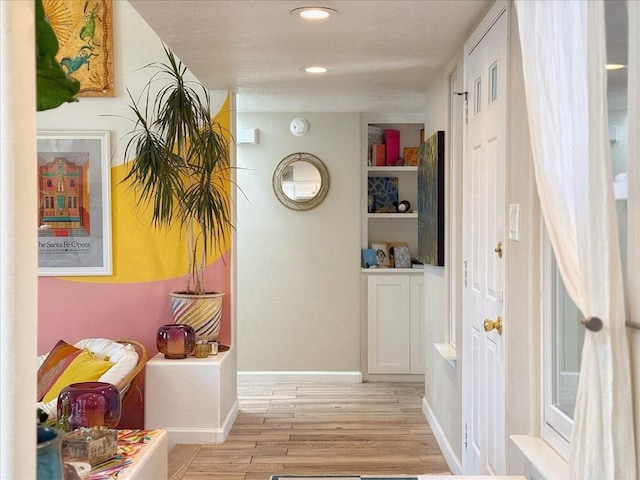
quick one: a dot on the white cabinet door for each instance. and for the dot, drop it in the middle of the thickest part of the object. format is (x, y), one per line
(388, 300)
(418, 333)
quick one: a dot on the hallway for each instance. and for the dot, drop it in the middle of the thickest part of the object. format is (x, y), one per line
(305, 428)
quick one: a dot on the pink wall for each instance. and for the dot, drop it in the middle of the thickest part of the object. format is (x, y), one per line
(71, 311)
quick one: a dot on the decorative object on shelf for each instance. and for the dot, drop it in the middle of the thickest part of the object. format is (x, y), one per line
(385, 192)
(175, 340)
(180, 166)
(90, 404)
(301, 181)
(431, 201)
(382, 253)
(411, 156)
(392, 145)
(392, 249)
(401, 257)
(404, 206)
(202, 349)
(203, 312)
(369, 258)
(299, 127)
(90, 445)
(49, 457)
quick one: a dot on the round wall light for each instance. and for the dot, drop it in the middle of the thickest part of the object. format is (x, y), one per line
(314, 13)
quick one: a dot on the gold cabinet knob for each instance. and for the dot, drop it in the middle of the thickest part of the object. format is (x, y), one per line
(498, 249)
(491, 325)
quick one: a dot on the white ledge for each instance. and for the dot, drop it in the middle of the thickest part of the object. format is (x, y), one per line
(447, 352)
(542, 457)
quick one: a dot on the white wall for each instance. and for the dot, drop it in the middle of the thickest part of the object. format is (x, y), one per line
(298, 272)
(443, 393)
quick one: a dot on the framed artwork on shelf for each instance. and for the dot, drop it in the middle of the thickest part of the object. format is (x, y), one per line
(401, 257)
(411, 156)
(382, 253)
(394, 248)
(385, 194)
(431, 201)
(74, 203)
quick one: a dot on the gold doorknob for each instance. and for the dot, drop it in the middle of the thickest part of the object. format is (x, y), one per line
(491, 325)
(498, 249)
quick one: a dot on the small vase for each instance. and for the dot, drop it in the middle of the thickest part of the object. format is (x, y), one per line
(175, 340)
(49, 465)
(92, 404)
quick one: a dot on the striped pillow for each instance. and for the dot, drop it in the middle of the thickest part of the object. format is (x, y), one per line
(54, 365)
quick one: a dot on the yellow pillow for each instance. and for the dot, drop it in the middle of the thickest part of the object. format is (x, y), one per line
(84, 368)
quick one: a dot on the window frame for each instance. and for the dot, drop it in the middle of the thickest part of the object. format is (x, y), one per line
(556, 426)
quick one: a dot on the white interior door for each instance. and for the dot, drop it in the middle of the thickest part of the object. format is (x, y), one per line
(483, 238)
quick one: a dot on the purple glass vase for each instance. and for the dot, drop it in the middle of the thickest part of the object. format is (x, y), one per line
(90, 404)
(176, 340)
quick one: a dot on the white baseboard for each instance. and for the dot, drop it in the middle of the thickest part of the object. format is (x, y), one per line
(192, 435)
(314, 377)
(447, 451)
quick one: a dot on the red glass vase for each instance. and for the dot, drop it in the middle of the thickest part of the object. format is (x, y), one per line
(90, 404)
(176, 340)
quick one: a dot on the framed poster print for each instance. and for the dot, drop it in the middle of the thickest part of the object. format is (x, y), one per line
(74, 203)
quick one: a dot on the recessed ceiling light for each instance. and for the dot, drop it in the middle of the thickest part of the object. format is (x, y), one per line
(615, 66)
(314, 13)
(315, 69)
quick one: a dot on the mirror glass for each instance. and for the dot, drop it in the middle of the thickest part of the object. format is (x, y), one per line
(301, 181)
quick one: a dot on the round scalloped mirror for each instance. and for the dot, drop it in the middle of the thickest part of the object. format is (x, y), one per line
(301, 181)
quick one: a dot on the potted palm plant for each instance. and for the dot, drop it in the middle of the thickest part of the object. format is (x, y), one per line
(179, 169)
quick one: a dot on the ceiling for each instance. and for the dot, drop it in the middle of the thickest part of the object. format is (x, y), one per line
(382, 55)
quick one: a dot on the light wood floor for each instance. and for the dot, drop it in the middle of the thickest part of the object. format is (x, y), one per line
(285, 428)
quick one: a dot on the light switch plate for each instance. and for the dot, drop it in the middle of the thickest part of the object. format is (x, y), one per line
(514, 222)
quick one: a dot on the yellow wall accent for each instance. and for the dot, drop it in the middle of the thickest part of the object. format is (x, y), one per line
(142, 253)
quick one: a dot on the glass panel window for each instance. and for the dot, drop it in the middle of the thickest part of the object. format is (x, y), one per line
(478, 95)
(493, 83)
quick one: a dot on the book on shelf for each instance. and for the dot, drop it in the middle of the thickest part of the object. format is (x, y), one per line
(375, 135)
(392, 145)
(369, 258)
(378, 158)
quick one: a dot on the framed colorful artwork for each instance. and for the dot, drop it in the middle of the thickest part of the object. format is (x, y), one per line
(431, 201)
(74, 203)
(384, 191)
(84, 29)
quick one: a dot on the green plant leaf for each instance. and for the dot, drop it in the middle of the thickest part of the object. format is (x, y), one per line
(53, 86)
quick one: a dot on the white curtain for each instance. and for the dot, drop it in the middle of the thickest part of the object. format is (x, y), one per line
(563, 49)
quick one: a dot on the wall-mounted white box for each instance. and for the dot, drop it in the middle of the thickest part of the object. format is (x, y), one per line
(247, 136)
